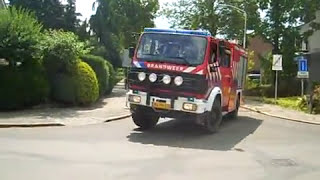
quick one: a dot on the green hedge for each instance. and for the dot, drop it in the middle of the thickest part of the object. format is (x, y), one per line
(64, 89)
(78, 88)
(112, 79)
(21, 88)
(99, 65)
(87, 86)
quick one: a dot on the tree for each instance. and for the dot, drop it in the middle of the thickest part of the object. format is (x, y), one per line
(49, 12)
(52, 13)
(211, 15)
(116, 23)
(281, 27)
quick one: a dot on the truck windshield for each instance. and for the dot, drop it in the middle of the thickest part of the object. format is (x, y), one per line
(173, 48)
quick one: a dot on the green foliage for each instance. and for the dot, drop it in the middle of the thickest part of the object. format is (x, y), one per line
(19, 36)
(99, 65)
(112, 79)
(217, 19)
(288, 102)
(22, 87)
(63, 89)
(118, 22)
(266, 66)
(87, 86)
(316, 99)
(61, 51)
(52, 13)
(78, 88)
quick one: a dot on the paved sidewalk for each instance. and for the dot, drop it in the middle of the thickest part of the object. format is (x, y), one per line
(111, 107)
(280, 112)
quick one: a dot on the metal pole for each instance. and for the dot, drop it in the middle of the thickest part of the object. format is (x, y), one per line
(276, 87)
(302, 87)
(245, 31)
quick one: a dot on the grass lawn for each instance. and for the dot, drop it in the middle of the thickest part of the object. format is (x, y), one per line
(288, 102)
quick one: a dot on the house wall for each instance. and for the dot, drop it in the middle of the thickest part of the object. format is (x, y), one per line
(314, 39)
(260, 48)
(2, 4)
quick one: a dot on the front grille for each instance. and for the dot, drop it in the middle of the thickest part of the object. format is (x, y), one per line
(192, 83)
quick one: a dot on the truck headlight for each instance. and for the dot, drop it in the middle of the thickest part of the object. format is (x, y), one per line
(134, 98)
(178, 81)
(190, 107)
(166, 79)
(142, 76)
(153, 77)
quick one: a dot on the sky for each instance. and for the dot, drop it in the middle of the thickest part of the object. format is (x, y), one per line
(85, 8)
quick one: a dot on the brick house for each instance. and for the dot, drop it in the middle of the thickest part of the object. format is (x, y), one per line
(260, 47)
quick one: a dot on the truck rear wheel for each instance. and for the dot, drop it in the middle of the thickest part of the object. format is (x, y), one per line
(145, 118)
(214, 118)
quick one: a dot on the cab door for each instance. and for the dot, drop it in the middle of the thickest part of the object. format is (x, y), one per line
(226, 76)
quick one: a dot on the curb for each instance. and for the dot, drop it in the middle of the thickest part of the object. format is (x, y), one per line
(280, 117)
(39, 125)
(117, 118)
(2, 126)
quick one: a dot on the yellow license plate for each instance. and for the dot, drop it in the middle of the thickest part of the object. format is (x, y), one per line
(161, 105)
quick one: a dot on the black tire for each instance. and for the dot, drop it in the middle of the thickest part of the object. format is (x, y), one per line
(234, 114)
(145, 118)
(214, 117)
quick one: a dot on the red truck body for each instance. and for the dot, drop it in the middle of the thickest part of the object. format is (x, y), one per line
(207, 68)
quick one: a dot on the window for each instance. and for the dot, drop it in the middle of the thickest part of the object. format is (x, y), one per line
(226, 60)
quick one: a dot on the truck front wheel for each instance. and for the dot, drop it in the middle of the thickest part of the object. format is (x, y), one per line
(214, 118)
(145, 118)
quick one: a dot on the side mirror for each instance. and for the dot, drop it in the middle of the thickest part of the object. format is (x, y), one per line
(131, 52)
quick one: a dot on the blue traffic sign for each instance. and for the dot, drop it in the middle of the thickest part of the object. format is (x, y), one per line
(303, 65)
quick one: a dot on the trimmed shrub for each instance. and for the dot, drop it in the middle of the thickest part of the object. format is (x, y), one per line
(87, 86)
(99, 65)
(21, 87)
(112, 79)
(64, 89)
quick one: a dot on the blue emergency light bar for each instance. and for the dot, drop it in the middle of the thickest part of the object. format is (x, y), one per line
(177, 31)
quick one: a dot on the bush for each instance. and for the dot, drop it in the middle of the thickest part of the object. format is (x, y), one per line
(87, 86)
(64, 89)
(22, 87)
(61, 51)
(19, 36)
(99, 65)
(316, 99)
(112, 79)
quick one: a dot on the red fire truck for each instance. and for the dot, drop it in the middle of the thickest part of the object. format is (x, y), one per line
(185, 74)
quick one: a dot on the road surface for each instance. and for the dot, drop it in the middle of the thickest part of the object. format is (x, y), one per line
(252, 147)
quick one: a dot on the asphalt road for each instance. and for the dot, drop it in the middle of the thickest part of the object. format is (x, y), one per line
(252, 147)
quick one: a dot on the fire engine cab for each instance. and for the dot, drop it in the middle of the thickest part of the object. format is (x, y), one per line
(185, 74)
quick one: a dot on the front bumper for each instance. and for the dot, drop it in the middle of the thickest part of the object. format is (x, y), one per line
(176, 103)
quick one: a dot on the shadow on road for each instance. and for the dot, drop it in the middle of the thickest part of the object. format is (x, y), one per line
(182, 134)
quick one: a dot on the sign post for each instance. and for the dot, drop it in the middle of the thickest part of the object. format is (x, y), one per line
(277, 66)
(126, 64)
(303, 72)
